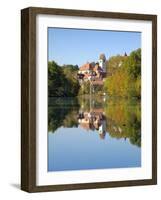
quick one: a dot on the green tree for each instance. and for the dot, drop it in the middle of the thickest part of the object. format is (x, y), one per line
(62, 81)
(125, 79)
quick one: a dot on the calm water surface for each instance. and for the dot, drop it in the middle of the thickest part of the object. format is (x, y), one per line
(93, 133)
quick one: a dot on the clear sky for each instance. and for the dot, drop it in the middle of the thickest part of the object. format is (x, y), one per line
(77, 46)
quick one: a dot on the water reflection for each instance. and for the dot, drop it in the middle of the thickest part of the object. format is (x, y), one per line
(93, 120)
(117, 117)
(93, 133)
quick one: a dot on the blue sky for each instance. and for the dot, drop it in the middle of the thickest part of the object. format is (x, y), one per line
(77, 46)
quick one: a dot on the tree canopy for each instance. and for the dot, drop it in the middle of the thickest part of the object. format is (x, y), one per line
(62, 80)
(125, 79)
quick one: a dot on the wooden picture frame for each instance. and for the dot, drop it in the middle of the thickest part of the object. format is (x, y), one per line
(28, 98)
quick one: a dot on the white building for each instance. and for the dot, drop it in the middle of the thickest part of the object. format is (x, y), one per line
(102, 62)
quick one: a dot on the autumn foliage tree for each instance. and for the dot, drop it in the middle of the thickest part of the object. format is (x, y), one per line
(125, 79)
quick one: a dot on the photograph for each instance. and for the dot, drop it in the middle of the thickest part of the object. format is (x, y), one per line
(94, 99)
(89, 99)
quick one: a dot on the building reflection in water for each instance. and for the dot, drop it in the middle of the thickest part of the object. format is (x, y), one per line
(93, 120)
(120, 119)
(92, 133)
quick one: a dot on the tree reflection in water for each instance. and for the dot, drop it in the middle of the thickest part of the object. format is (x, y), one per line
(120, 118)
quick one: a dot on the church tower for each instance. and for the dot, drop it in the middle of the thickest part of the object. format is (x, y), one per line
(102, 62)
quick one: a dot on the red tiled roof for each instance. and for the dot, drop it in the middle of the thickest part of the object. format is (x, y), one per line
(86, 66)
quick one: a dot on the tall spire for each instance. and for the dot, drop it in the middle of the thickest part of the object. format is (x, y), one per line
(102, 57)
(102, 61)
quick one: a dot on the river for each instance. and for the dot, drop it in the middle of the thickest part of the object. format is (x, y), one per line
(93, 133)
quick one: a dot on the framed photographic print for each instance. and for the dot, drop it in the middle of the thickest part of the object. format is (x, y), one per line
(89, 99)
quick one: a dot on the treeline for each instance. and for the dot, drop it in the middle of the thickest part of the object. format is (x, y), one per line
(125, 79)
(123, 116)
(62, 80)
